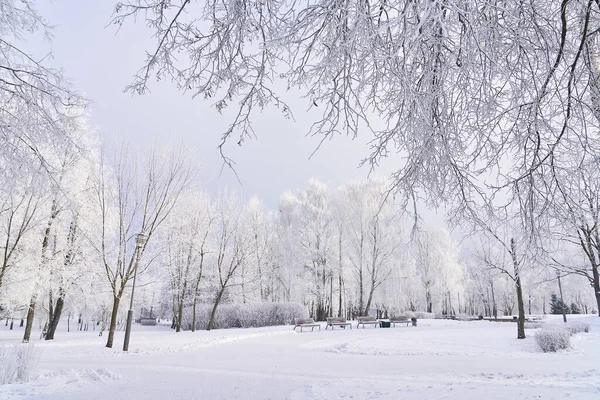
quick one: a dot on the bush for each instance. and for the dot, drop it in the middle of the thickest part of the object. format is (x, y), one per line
(418, 314)
(577, 326)
(463, 317)
(249, 315)
(533, 325)
(552, 338)
(17, 363)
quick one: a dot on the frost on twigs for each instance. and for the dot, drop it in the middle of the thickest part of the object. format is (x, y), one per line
(17, 363)
(552, 338)
(577, 327)
(249, 315)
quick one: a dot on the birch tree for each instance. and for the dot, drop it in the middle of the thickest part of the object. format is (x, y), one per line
(134, 198)
(579, 219)
(186, 240)
(315, 230)
(233, 247)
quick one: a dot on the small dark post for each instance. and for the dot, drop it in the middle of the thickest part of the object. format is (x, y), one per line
(140, 239)
(564, 312)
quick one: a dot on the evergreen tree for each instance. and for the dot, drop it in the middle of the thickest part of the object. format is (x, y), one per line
(557, 305)
(575, 309)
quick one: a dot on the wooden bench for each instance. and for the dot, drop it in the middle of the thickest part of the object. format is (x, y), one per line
(367, 321)
(335, 321)
(400, 320)
(305, 323)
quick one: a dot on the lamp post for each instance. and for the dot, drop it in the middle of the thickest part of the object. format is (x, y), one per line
(140, 239)
(562, 303)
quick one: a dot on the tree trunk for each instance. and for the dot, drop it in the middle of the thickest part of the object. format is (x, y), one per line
(360, 288)
(113, 321)
(494, 306)
(340, 273)
(30, 315)
(194, 313)
(521, 306)
(211, 322)
(55, 318)
(596, 285)
(50, 305)
(370, 299)
(428, 301)
(179, 315)
(520, 303)
(331, 296)
(340, 297)
(196, 287)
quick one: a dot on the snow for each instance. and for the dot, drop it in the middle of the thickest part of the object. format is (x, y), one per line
(437, 359)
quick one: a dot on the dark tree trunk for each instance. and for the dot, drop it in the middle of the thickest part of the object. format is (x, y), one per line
(331, 296)
(21, 324)
(520, 303)
(320, 311)
(179, 315)
(196, 288)
(50, 306)
(29, 324)
(370, 298)
(428, 301)
(194, 313)
(340, 297)
(494, 306)
(211, 322)
(521, 306)
(596, 284)
(113, 321)
(55, 319)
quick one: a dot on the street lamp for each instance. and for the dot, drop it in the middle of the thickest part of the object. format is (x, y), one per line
(140, 239)
(562, 303)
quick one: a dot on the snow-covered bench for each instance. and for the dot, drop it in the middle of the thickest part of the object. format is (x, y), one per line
(400, 320)
(336, 321)
(305, 323)
(368, 321)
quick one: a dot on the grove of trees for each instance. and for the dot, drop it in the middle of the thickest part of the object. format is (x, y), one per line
(491, 109)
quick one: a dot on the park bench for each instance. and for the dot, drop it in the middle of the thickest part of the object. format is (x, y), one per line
(336, 321)
(400, 320)
(305, 323)
(367, 321)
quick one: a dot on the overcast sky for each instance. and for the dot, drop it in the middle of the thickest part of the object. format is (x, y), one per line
(100, 62)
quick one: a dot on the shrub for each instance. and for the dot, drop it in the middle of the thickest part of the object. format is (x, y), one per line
(577, 326)
(418, 314)
(17, 363)
(552, 338)
(463, 317)
(533, 325)
(238, 315)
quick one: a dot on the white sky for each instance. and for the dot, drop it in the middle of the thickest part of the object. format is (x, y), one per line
(100, 62)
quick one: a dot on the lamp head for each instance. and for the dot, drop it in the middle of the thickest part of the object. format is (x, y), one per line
(140, 239)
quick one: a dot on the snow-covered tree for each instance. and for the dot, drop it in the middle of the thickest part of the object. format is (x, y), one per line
(134, 198)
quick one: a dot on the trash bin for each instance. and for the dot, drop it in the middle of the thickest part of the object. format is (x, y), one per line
(414, 321)
(385, 324)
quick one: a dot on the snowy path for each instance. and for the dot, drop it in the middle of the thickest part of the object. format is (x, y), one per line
(438, 359)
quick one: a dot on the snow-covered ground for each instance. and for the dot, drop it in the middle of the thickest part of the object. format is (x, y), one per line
(438, 359)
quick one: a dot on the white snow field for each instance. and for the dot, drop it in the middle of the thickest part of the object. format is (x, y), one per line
(439, 359)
